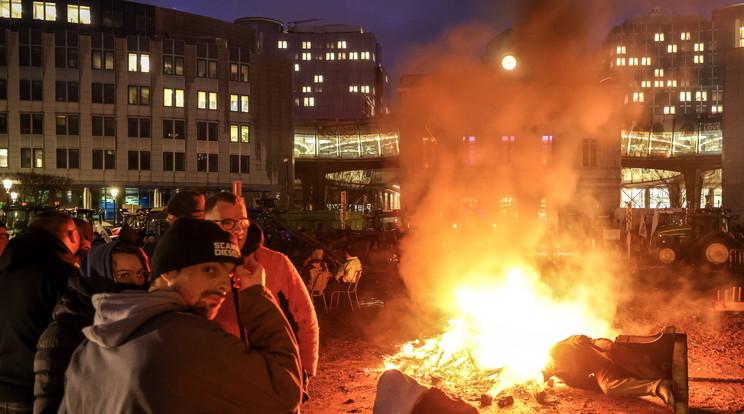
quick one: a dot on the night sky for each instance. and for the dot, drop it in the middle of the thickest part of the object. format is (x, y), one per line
(402, 25)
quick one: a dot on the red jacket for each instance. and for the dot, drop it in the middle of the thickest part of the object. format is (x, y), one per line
(283, 281)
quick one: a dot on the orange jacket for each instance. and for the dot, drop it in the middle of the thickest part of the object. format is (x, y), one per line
(283, 281)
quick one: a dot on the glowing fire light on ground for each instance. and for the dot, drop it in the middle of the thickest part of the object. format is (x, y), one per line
(500, 339)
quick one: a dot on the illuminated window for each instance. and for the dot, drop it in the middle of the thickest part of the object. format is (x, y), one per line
(4, 157)
(309, 101)
(201, 99)
(621, 50)
(658, 84)
(353, 88)
(78, 14)
(281, 44)
(330, 56)
(341, 55)
(716, 109)
(685, 96)
(671, 83)
(638, 97)
(701, 96)
(297, 67)
(318, 78)
(699, 47)
(307, 56)
(698, 59)
(646, 61)
(341, 44)
(620, 62)
(306, 89)
(353, 55)
(239, 133)
(671, 48)
(243, 103)
(633, 61)
(659, 73)
(365, 89)
(173, 97)
(307, 45)
(365, 56)
(669, 110)
(139, 62)
(658, 37)
(234, 102)
(45, 11)
(12, 9)
(684, 36)
(213, 101)
(646, 84)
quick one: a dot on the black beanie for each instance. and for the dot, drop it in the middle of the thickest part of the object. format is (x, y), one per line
(190, 242)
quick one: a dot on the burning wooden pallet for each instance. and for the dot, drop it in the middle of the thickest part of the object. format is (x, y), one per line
(731, 300)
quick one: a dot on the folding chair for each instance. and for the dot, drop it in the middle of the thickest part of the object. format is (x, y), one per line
(350, 289)
(318, 282)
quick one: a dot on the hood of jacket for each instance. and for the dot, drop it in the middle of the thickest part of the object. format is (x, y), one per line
(118, 315)
(34, 246)
(96, 269)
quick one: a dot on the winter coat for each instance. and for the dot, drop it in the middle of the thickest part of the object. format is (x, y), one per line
(285, 284)
(73, 312)
(34, 269)
(145, 354)
(347, 271)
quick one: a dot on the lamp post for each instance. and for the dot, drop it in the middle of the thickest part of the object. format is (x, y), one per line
(114, 192)
(290, 186)
(7, 184)
(13, 197)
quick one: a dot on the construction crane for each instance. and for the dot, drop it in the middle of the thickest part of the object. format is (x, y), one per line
(291, 25)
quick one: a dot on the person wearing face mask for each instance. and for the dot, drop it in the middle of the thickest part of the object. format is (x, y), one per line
(111, 267)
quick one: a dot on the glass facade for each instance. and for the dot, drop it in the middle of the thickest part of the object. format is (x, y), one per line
(360, 143)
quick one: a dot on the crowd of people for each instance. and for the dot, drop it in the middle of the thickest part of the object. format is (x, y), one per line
(205, 319)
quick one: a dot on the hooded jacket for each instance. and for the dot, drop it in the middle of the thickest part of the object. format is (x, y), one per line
(283, 281)
(73, 312)
(34, 269)
(145, 354)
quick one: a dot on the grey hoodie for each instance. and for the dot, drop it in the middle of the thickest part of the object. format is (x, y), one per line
(145, 353)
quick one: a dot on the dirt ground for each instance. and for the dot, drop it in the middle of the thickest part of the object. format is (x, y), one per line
(353, 345)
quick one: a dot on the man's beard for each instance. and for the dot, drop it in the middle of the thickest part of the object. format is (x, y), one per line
(205, 309)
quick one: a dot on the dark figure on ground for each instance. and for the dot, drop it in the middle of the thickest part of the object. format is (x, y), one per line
(159, 351)
(34, 269)
(600, 365)
(397, 393)
(111, 267)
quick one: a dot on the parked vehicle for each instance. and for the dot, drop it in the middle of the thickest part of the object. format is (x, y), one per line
(17, 217)
(706, 237)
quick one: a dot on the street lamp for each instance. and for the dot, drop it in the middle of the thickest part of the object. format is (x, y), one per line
(114, 192)
(7, 184)
(13, 197)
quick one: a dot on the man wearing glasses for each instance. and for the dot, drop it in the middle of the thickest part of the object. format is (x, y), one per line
(282, 280)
